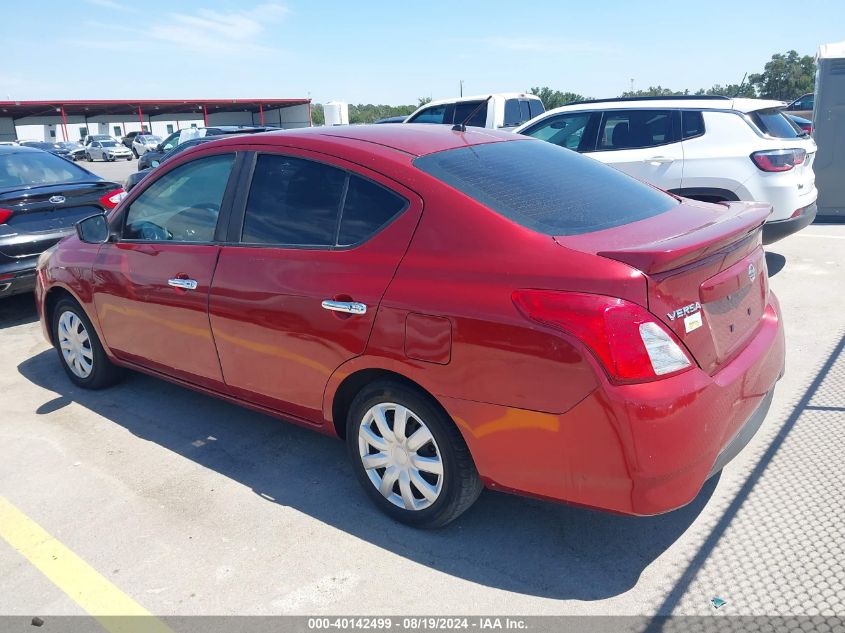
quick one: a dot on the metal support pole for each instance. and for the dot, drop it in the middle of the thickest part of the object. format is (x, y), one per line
(204, 116)
(261, 113)
(141, 118)
(64, 124)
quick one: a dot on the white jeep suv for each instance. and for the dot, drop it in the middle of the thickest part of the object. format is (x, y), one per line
(707, 148)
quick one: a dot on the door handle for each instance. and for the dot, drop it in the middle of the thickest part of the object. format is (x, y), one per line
(184, 284)
(350, 307)
(657, 160)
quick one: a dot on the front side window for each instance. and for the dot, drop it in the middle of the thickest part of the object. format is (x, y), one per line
(633, 129)
(433, 114)
(566, 130)
(182, 205)
(303, 203)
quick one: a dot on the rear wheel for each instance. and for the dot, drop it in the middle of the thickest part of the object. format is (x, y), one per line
(80, 351)
(409, 456)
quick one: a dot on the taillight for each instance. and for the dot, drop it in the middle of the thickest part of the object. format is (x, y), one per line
(626, 338)
(5, 214)
(778, 159)
(807, 127)
(113, 198)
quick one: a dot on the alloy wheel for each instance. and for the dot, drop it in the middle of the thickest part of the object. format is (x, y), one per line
(75, 344)
(400, 456)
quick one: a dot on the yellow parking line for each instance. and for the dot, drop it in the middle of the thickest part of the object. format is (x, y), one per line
(81, 582)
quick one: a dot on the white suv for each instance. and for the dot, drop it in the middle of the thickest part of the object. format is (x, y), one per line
(706, 148)
(499, 110)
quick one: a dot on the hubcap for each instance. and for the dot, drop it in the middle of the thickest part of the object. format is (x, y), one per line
(75, 344)
(400, 456)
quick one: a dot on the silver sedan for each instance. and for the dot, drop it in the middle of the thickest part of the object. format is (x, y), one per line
(107, 150)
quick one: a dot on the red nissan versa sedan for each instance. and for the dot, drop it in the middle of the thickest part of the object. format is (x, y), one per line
(466, 308)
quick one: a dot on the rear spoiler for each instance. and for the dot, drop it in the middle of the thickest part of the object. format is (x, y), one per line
(697, 243)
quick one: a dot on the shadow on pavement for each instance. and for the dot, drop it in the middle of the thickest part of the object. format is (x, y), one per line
(511, 543)
(774, 263)
(17, 310)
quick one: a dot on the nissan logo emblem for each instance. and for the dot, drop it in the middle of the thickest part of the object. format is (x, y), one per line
(752, 272)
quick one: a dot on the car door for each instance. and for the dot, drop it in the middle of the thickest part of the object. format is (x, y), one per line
(151, 283)
(95, 150)
(644, 143)
(312, 249)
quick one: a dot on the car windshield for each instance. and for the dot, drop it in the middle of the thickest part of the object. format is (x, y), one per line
(546, 188)
(38, 168)
(108, 143)
(150, 139)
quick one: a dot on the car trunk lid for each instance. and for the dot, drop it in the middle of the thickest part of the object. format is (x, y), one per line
(704, 268)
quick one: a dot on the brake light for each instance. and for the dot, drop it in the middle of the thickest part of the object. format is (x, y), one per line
(627, 339)
(778, 159)
(113, 198)
(807, 127)
(5, 214)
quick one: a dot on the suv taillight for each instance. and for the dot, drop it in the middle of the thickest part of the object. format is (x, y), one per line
(113, 198)
(5, 214)
(627, 339)
(778, 159)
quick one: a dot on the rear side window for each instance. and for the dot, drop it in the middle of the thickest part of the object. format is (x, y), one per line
(775, 123)
(434, 114)
(633, 129)
(545, 188)
(692, 124)
(517, 112)
(293, 201)
(298, 202)
(465, 108)
(367, 208)
(535, 107)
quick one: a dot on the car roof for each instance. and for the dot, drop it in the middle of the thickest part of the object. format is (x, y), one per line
(415, 139)
(17, 149)
(741, 104)
(504, 95)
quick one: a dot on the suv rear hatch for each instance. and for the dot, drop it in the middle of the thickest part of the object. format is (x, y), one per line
(705, 272)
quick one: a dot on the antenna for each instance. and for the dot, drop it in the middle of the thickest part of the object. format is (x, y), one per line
(462, 126)
(741, 84)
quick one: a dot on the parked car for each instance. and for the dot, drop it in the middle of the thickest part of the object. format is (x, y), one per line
(97, 137)
(180, 136)
(144, 143)
(805, 124)
(41, 197)
(54, 148)
(107, 151)
(504, 110)
(802, 106)
(9, 143)
(75, 150)
(714, 149)
(135, 177)
(131, 136)
(623, 344)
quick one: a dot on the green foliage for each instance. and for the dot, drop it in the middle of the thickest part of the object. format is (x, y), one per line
(318, 117)
(655, 91)
(730, 90)
(554, 98)
(368, 113)
(422, 101)
(785, 77)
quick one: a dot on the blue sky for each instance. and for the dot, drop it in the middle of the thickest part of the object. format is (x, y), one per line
(392, 52)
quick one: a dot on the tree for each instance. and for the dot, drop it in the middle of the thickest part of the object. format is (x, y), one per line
(422, 101)
(785, 77)
(554, 98)
(318, 117)
(655, 91)
(730, 90)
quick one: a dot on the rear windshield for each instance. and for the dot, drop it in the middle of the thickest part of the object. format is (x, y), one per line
(775, 123)
(545, 187)
(38, 168)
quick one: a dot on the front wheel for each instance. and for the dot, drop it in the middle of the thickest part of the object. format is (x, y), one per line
(80, 351)
(409, 456)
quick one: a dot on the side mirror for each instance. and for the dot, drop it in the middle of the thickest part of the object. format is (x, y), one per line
(154, 163)
(159, 148)
(93, 229)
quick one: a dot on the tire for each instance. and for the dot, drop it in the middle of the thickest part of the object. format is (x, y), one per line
(92, 369)
(89, 158)
(135, 152)
(449, 493)
(130, 158)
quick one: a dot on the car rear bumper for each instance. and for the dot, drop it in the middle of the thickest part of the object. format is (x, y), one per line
(775, 230)
(639, 449)
(17, 277)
